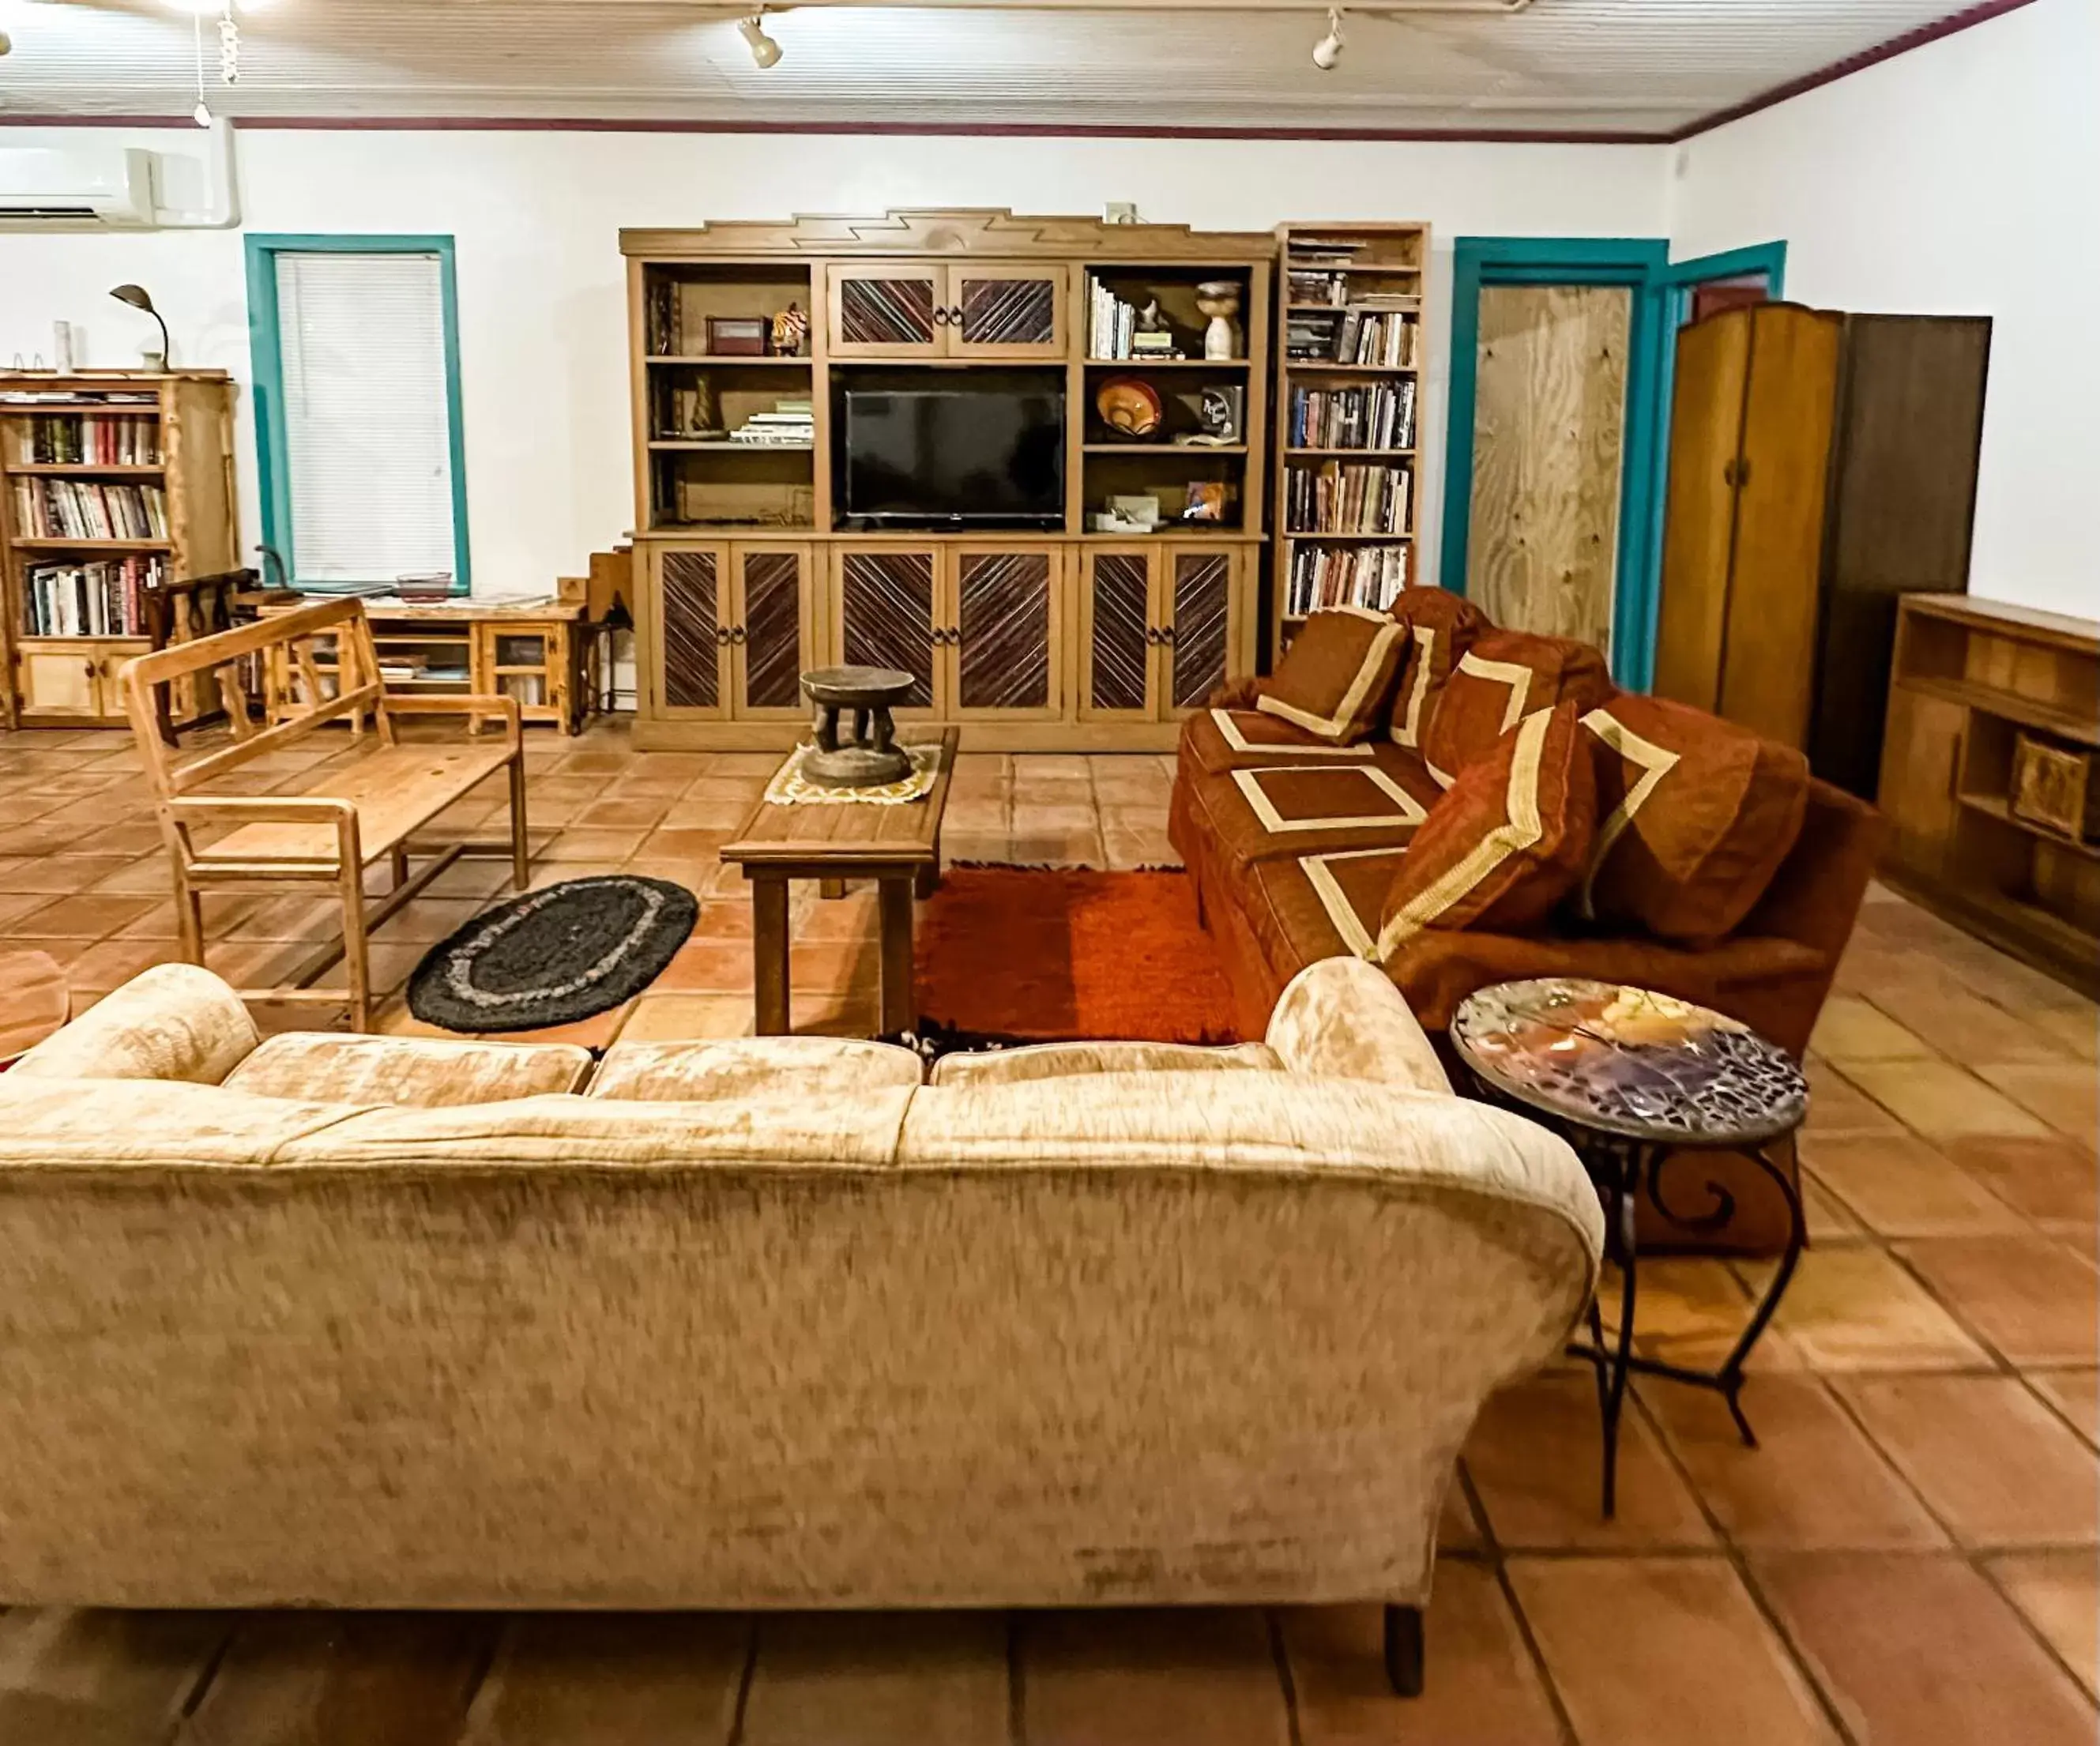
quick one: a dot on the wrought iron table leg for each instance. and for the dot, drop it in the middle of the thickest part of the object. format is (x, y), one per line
(1729, 1378)
(1625, 1209)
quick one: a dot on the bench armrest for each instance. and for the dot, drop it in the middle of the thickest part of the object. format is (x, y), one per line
(475, 703)
(188, 809)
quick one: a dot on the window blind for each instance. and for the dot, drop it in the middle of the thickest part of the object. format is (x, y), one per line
(367, 415)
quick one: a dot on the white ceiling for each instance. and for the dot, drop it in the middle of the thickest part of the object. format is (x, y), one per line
(1591, 66)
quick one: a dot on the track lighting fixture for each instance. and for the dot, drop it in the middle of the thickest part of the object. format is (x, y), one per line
(1328, 50)
(764, 49)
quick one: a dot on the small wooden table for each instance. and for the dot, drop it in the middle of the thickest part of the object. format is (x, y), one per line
(899, 847)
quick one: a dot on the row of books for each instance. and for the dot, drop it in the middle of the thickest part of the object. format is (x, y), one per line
(1113, 332)
(1359, 334)
(1379, 415)
(1363, 575)
(100, 599)
(121, 439)
(83, 510)
(1353, 498)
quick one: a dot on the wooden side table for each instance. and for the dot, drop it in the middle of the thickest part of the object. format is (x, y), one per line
(1634, 1081)
(897, 846)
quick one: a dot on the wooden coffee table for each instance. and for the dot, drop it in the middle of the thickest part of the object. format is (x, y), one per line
(899, 847)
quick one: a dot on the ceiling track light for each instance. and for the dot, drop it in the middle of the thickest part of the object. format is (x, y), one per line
(764, 49)
(1328, 50)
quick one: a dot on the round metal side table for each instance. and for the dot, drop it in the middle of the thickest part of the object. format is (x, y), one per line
(1635, 1080)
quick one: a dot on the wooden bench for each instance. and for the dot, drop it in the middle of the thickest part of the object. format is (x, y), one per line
(348, 818)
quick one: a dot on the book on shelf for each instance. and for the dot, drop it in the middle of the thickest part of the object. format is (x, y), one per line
(1112, 329)
(1355, 497)
(791, 424)
(1326, 576)
(84, 509)
(1377, 415)
(119, 440)
(101, 599)
(1359, 333)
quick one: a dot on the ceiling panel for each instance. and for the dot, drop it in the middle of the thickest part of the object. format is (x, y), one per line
(1553, 66)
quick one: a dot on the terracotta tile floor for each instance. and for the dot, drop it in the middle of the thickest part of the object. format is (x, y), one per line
(1910, 1557)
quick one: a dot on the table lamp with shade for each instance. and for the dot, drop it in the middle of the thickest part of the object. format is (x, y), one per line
(137, 297)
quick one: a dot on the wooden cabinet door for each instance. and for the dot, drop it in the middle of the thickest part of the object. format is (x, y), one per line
(1698, 515)
(1921, 771)
(688, 629)
(1004, 634)
(886, 312)
(1204, 623)
(773, 633)
(882, 609)
(65, 679)
(1120, 650)
(1006, 311)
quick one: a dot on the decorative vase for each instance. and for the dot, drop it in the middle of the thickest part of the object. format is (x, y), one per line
(1220, 299)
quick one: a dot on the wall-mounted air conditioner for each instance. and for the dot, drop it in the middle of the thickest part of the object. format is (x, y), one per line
(92, 187)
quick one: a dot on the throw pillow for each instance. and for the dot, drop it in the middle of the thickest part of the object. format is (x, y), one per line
(1695, 816)
(1507, 842)
(1334, 678)
(1501, 678)
(1440, 625)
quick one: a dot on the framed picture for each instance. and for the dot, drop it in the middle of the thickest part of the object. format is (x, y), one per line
(737, 336)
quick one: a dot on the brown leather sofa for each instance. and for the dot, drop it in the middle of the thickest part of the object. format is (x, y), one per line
(1274, 900)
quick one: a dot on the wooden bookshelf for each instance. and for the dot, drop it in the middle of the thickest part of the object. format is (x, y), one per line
(1064, 638)
(1970, 678)
(181, 425)
(1332, 280)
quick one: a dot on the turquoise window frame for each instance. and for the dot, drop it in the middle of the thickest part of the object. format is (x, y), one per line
(1661, 290)
(266, 361)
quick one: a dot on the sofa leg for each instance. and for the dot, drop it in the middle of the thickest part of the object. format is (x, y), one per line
(1403, 1650)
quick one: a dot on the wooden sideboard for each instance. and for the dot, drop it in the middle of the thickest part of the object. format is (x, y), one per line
(1970, 678)
(1062, 639)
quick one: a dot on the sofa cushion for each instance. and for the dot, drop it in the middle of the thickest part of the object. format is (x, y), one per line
(1061, 1060)
(1508, 842)
(1269, 810)
(427, 1072)
(134, 1125)
(1502, 677)
(1439, 625)
(1217, 739)
(1337, 676)
(1694, 816)
(748, 1067)
(1303, 908)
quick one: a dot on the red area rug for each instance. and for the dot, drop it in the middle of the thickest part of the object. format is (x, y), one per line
(1049, 954)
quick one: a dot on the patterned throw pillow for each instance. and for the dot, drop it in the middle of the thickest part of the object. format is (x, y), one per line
(1500, 678)
(1507, 842)
(1440, 625)
(1695, 816)
(1334, 680)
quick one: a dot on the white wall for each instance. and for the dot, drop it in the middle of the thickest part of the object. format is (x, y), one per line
(542, 304)
(1962, 177)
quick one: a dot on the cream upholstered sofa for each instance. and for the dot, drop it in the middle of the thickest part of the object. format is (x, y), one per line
(363, 1321)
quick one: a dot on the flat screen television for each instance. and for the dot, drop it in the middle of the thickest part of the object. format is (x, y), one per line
(930, 457)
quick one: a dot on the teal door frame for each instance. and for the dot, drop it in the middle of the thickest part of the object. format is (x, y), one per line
(265, 358)
(1660, 289)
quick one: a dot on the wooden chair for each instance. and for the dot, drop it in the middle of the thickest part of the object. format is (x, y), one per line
(348, 819)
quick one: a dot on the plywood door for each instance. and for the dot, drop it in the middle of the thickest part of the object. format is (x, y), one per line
(1768, 667)
(884, 606)
(1006, 311)
(1699, 520)
(63, 679)
(886, 312)
(1003, 633)
(1118, 641)
(773, 630)
(1206, 614)
(1549, 429)
(686, 628)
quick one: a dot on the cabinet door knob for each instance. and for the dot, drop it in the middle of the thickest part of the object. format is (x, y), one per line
(87, 667)
(1152, 633)
(1167, 635)
(736, 633)
(940, 317)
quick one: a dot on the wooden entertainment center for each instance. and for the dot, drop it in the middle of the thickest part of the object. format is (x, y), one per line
(1053, 637)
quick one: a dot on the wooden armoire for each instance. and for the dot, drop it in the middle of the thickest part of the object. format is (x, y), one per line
(1821, 465)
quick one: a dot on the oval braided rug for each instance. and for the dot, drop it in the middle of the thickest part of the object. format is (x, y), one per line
(554, 956)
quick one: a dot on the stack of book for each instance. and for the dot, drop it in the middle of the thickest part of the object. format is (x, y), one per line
(80, 509)
(1112, 329)
(1323, 576)
(791, 424)
(1370, 330)
(1334, 498)
(88, 600)
(120, 440)
(1381, 416)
